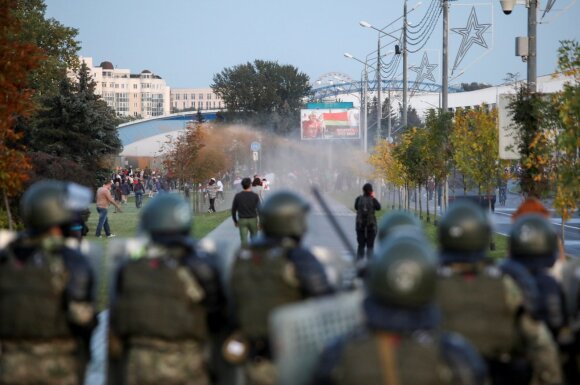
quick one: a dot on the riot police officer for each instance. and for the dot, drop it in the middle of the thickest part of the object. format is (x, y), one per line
(534, 244)
(274, 270)
(165, 303)
(400, 343)
(492, 306)
(47, 310)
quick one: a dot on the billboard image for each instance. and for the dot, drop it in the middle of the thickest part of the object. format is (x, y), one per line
(329, 124)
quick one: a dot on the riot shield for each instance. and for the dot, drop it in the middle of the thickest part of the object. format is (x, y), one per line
(301, 331)
(340, 271)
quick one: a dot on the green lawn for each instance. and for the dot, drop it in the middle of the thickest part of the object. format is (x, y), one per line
(125, 224)
(347, 198)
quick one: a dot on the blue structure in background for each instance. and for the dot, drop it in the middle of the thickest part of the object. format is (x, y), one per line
(142, 129)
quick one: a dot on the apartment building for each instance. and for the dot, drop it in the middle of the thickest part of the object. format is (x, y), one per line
(193, 99)
(144, 94)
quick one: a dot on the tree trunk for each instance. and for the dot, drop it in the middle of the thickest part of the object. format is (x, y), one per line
(400, 194)
(8, 212)
(464, 185)
(415, 191)
(427, 208)
(420, 203)
(492, 240)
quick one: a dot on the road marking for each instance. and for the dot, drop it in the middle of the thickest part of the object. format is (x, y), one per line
(554, 221)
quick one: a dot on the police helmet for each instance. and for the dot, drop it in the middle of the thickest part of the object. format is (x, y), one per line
(396, 220)
(166, 214)
(464, 232)
(283, 214)
(403, 272)
(50, 203)
(533, 241)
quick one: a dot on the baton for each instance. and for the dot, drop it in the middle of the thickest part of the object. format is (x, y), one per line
(334, 223)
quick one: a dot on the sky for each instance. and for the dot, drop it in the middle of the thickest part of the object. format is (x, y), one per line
(186, 42)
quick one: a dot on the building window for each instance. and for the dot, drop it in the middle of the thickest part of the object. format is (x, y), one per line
(104, 84)
(208, 96)
(192, 96)
(134, 86)
(200, 96)
(112, 85)
(184, 96)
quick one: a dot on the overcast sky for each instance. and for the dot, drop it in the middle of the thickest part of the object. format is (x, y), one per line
(187, 41)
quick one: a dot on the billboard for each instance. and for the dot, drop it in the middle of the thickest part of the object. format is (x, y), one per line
(507, 133)
(340, 123)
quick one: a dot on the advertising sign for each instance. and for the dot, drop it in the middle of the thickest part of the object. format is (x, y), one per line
(329, 124)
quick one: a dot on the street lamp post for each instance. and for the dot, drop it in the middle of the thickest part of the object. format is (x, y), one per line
(363, 99)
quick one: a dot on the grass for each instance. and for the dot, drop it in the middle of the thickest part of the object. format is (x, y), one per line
(347, 198)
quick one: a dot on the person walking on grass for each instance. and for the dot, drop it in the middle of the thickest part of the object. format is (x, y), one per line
(104, 200)
(245, 211)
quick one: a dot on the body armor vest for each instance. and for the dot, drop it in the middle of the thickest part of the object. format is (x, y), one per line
(475, 306)
(551, 305)
(154, 301)
(32, 298)
(261, 281)
(380, 358)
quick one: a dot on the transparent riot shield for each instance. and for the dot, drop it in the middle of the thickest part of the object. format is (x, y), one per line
(301, 331)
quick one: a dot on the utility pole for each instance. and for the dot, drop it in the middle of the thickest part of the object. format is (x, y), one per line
(445, 64)
(364, 108)
(532, 28)
(379, 104)
(405, 85)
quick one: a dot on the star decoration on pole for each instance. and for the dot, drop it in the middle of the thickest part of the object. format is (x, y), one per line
(471, 34)
(425, 70)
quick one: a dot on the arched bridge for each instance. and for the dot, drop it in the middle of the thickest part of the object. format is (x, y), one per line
(356, 87)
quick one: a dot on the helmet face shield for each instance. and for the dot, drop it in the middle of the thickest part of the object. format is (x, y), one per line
(50, 203)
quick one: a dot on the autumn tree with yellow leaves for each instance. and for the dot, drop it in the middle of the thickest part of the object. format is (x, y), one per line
(475, 147)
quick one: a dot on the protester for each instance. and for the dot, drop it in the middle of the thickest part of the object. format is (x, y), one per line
(104, 200)
(245, 211)
(366, 221)
(212, 189)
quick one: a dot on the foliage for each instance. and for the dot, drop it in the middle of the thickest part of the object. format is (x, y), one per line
(77, 125)
(439, 151)
(532, 119)
(46, 166)
(386, 165)
(183, 153)
(261, 91)
(17, 58)
(567, 105)
(473, 86)
(57, 42)
(475, 141)
(411, 154)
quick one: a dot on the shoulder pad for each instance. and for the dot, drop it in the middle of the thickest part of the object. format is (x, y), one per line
(525, 282)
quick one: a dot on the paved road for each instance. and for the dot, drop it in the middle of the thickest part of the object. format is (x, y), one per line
(225, 240)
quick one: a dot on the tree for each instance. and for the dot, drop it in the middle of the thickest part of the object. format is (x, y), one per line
(183, 152)
(533, 137)
(17, 58)
(475, 140)
(77, 125)
(474, 86)
(256, 91)
(567, 105)
(439, 152)
(57, 42)
(387, 166)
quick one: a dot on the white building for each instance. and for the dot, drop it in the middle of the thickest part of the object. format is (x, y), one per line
(193, 99)
(144, 94)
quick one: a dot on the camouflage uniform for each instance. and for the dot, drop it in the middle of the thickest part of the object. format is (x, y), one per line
(273, 271)
(165, 302)
(47, 308)
(492, 306)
